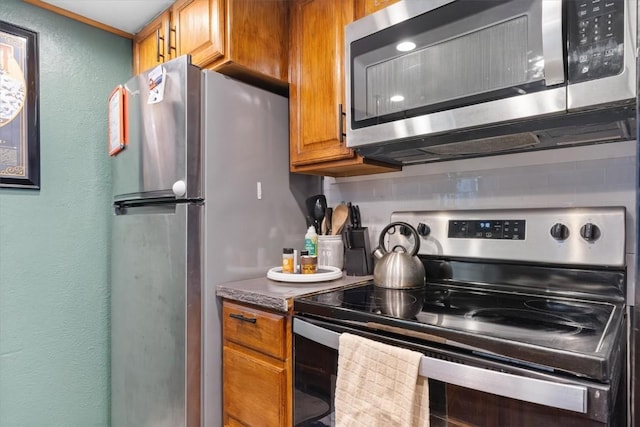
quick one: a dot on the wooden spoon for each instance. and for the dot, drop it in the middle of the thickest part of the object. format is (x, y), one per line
(339, 218)
(326, 221)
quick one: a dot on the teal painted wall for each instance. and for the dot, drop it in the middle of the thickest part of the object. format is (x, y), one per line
(54, 276)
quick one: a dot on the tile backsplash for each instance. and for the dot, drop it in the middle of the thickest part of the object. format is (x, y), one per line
(595, 175)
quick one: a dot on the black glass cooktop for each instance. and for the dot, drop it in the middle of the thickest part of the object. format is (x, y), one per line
(524, 326)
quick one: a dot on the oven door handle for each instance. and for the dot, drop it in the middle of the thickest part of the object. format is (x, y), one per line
(557, 395)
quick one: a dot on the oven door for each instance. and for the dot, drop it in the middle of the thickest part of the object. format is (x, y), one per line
(455, 380)
(452, 62)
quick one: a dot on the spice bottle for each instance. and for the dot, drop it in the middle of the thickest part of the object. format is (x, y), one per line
(311, 241)
(287, 260)
(308, 264)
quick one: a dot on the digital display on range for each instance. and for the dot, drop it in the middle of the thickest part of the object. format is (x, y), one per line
(511, 229)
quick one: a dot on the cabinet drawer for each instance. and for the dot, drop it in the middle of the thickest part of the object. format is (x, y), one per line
(254, 390)
(256, 329)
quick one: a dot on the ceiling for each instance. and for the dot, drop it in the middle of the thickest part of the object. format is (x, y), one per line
(129, 16)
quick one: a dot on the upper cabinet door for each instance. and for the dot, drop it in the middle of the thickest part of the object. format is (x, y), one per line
(245, 39)
(317, 80)
(317, 93)
(151, 44)
(258, 36)
(198, 30)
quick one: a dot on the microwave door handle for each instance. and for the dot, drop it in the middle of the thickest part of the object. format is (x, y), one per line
(552, 51)
(571, 397)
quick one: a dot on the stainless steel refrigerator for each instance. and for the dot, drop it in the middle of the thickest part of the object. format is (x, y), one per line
(202, 195)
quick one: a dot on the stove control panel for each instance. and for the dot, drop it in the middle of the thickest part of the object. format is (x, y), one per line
(511, 229)
(582, 236)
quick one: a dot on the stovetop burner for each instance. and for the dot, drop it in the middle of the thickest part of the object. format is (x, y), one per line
(559, 307)
(526, 318)
(530, 320)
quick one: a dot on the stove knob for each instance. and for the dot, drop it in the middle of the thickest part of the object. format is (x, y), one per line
(423, 229)
(405, 231)
(590, 232)
(559, 231)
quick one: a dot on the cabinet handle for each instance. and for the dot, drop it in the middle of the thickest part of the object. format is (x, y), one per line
(175, 36)
(341, 114)
(244, 319)
(158, 54)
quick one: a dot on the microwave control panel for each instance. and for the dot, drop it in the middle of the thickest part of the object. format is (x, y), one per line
(596, 45)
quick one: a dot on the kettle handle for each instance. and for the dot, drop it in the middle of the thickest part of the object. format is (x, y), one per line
(416, 238)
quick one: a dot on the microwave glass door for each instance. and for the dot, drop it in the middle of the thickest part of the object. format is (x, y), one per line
(448, 57)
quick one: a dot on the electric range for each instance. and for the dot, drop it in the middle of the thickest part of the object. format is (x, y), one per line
(537, 293)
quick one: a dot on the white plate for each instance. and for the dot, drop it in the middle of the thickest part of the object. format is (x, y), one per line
(325, 273)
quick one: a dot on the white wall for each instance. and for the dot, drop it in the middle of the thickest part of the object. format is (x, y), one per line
(596, 175)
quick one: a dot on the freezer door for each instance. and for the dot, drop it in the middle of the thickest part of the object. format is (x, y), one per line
(156, 316)
(163, 135)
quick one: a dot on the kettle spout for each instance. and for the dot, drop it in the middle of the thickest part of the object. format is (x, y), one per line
(379, 252)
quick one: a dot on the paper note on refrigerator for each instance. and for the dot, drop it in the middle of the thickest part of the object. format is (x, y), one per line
(157, 77)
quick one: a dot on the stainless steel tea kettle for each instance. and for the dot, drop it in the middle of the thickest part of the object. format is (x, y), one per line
(398, 269)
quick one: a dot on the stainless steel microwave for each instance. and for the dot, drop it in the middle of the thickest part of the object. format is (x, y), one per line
(441, 79)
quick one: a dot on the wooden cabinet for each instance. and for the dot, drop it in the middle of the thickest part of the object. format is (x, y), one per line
(188, 27)
(246, 39)
(317, 91)
(257, 43)
(151, 45)
(197, 30)
(256, 367)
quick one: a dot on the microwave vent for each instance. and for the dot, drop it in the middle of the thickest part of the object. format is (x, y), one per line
(415, 155)
(495, 144)
(601, 132)
(581, 128)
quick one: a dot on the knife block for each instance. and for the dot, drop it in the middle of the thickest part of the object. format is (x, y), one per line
(357, 257)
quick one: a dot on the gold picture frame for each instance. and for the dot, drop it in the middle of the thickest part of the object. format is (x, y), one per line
(19, 108)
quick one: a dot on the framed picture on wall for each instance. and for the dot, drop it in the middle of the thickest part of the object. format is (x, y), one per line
(19, 108)
(117, 120)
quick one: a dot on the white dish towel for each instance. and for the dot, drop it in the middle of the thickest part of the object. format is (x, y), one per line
(378, 385)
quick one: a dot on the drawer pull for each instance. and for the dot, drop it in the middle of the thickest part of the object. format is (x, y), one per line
(244, 319)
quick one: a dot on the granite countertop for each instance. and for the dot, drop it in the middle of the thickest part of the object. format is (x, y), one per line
(279, 296)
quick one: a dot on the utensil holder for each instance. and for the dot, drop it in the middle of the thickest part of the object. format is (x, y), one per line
(358, 260)
(360, 238)
(331, 251)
